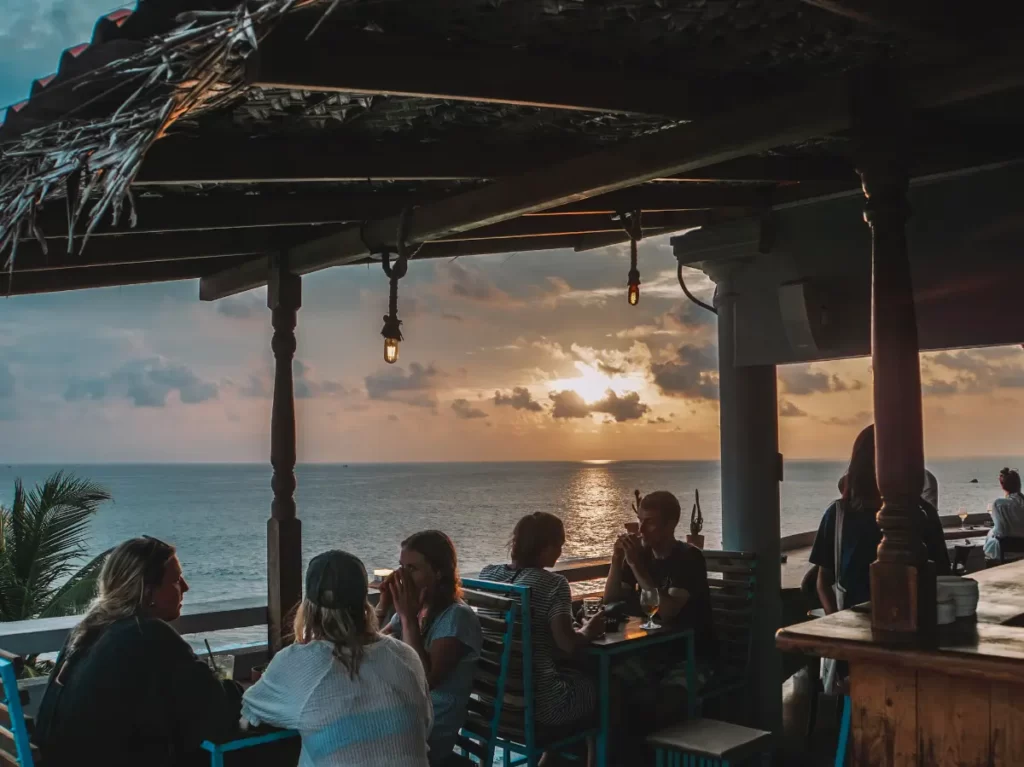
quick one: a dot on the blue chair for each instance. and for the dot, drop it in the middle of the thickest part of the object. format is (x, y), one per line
(844, 732)
(14, 742)
(501, 712)
(257, 738)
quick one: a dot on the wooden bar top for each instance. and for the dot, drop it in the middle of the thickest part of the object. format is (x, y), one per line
(991, 648)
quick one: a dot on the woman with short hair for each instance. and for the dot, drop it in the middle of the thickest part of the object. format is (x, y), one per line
(126, 688)
(430, 617)
(1007, 514)
(357, 698)
(562, 695)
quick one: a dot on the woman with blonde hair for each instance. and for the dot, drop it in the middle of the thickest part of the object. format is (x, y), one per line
(357, 698)
(127, 689)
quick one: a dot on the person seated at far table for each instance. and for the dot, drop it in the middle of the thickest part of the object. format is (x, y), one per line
(562, 695)
(1007, 514)
(655, 682)
(127, 690)
(430, 617)
(357, 698)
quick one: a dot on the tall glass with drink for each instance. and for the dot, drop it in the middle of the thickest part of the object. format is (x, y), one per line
(649, 601)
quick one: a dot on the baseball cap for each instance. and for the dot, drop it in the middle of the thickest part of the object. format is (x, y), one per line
(336, 579)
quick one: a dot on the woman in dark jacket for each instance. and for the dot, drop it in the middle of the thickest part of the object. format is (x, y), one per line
(127, 689)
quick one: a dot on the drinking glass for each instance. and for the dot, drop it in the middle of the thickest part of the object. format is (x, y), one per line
(591, 605)
(962, 513)
(632, 527)
(649, 600)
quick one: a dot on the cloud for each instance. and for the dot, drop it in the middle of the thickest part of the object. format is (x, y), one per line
(463, 409)
(683, 319)
(470, 283)
(658, 421)
(451, 317)
(147, 383)
(518, 399)
(418, 387)
(393, 417)
(862, 418)
(693, 373)
(976, 371)
(799, 380)
(306, 384)
(788, 410)
(242, 307)
(569, 404)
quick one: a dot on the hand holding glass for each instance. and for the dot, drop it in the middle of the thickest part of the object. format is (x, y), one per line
(649, 600)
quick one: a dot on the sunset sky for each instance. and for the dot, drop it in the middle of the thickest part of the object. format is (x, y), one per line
(522, 356)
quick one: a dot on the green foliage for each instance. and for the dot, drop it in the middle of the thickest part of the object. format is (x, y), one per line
(42, 537)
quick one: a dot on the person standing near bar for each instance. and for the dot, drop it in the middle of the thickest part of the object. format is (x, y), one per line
(127, 690)
(357, 698)
(430, 617)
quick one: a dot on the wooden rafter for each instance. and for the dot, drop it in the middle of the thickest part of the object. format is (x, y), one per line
(819, 109)
(365, 66)
(204, 161)
(182, 213)
(109, 276)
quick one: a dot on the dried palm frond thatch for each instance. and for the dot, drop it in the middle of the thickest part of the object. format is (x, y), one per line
(91, 161)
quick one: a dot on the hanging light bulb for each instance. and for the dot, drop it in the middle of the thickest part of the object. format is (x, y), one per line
(633, 293)
(631, 224)
(392, 332)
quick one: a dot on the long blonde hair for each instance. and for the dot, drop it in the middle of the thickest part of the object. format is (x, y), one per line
(129, 575)
(349, 630)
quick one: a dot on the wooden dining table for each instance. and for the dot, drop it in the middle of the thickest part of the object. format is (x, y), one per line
(971, 531)
(629, 638)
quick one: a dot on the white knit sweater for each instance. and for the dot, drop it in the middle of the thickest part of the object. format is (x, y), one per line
(379, 719)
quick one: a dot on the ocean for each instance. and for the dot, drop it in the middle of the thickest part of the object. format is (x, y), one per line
(216, 514)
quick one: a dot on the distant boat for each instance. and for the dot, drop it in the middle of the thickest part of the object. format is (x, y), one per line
(974, 481)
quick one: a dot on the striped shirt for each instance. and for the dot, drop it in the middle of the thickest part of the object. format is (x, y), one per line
(560, 695)
(379, 719)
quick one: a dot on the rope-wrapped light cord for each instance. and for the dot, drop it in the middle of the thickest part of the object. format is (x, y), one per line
(633, 227)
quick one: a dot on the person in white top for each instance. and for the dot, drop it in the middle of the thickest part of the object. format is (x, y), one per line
(356, 697)
(1007, 514)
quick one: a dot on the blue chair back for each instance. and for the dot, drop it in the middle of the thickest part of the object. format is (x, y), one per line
(14, 741)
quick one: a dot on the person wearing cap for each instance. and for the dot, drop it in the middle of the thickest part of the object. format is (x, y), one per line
(356, 697)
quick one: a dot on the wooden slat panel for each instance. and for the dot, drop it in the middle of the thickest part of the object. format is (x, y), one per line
(470, 746)
(726, 600)
(1007, 707)
(5, 717)
(953, 720)
(491, 625)
(713, 554)
(730, 569)
(7, 744)
(484, 600)
(884, 718)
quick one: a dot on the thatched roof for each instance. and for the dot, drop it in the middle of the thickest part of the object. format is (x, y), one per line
(240, 128)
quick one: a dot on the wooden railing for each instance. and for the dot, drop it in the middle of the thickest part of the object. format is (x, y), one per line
(47, 635)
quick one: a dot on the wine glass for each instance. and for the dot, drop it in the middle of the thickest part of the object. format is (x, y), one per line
(649, 600)
(962, 513)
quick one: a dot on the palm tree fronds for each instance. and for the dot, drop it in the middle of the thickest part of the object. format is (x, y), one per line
(77, 591)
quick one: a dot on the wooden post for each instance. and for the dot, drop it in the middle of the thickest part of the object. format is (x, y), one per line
(902, 579)
(284, 531)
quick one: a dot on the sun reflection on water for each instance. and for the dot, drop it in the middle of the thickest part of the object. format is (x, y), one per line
(594, 511)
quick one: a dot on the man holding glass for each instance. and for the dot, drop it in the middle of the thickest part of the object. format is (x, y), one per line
(652, 572)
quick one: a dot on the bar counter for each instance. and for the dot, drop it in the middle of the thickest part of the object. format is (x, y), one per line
(956, 699)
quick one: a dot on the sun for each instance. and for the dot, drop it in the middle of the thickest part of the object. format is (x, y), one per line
(593, 384)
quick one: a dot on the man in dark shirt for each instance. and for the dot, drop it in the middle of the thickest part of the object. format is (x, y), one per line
(654, 559)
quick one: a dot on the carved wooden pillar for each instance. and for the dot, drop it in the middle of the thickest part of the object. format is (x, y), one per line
(284, 531)
(902, 579)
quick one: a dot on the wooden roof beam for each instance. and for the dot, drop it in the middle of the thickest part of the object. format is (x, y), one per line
(183, 213)
(110, 276)
(367, 65)
(934, 21)
(180, 161)
(817, 110)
